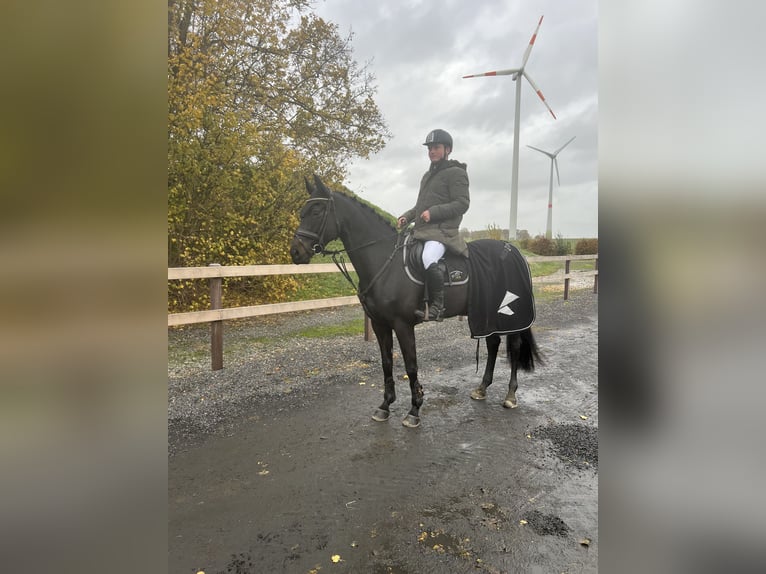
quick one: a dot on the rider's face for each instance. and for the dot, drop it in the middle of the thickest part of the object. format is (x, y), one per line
(436, 152)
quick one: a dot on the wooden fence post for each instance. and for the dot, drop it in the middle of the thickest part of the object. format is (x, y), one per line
(595, 278)
(566, 279)
(367, 328)
(216, 327)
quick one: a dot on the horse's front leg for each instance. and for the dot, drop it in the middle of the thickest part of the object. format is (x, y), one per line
(384, 334)
(493, 344)
(405, 333)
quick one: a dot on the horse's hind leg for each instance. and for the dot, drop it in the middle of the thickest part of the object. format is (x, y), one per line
(514, 355)
(385, 341)
(493, 344)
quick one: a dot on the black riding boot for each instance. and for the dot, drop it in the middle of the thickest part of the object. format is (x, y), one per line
(435, 287)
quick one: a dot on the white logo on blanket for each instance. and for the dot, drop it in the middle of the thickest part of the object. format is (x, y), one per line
(505, 306)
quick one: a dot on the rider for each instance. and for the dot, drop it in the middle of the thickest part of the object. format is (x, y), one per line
(438, 211)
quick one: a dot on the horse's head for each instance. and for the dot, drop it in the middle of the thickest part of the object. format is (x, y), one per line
(318, 224)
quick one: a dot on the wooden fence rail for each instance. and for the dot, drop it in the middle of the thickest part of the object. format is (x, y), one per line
(217, 314)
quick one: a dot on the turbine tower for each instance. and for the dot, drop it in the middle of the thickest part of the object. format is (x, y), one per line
(555, 162)
(517, 73)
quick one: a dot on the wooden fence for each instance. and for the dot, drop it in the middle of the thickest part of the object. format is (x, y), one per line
(216, 315)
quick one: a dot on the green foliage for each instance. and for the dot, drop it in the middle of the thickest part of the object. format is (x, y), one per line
(587, 246)
(260, 93)
(563, 247)
(541, 245)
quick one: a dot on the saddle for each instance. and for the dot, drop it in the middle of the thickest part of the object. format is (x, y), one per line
(454, 267)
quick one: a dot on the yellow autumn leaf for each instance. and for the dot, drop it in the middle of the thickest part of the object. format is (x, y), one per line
(336, 558)
(583, 417)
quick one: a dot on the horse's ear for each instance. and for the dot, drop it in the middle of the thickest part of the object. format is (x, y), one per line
(321, 187)
(309, 188)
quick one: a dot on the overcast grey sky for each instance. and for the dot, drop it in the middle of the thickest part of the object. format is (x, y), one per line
(419, 50)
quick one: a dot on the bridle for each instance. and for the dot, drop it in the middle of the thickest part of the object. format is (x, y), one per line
(318, 247)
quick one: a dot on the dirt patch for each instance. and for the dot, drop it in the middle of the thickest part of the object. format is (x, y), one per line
(546, 524)
(575, 444)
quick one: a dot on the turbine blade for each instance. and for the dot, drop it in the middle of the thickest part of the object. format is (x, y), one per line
(531, 43)
(565, 145)
(556, 163)
(538, 92)
(494, 73)
(541, 151)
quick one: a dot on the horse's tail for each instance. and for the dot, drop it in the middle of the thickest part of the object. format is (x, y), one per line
(528, 352)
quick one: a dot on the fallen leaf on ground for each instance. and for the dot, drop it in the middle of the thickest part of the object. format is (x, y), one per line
(336, 558)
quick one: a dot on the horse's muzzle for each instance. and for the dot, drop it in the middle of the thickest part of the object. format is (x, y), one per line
(299, 252)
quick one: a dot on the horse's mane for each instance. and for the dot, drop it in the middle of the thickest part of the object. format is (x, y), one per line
(374, 210)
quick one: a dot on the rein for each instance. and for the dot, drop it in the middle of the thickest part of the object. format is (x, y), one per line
(380, 272)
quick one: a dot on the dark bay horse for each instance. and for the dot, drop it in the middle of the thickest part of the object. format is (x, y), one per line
(389, 296)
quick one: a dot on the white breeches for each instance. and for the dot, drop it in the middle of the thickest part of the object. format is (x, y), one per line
(432, 252)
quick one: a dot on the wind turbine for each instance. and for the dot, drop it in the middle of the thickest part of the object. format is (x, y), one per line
(517, 72)
(555, 162)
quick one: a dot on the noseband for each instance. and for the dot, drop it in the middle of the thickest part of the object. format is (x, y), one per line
(317, 246)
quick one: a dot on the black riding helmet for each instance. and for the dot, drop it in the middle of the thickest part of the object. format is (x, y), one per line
(438, 137)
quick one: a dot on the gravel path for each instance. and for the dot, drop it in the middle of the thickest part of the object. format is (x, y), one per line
(265, 362)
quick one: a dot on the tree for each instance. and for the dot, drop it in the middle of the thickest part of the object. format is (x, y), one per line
(260, 93)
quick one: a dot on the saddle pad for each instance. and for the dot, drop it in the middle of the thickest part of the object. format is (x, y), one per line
(500, 297)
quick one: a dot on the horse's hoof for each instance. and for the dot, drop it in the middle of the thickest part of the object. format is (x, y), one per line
(381, 416)
(411, 421)
(510, 403)
(479, 395)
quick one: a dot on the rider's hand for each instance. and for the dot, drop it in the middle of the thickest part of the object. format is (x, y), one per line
(426, 216)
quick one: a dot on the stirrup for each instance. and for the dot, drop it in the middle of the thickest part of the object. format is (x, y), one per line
(433, 314)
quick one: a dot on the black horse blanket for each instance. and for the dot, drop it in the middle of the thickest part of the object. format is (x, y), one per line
(500, 297)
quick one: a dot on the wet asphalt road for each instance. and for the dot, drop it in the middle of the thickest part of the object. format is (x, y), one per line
(317, 486)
